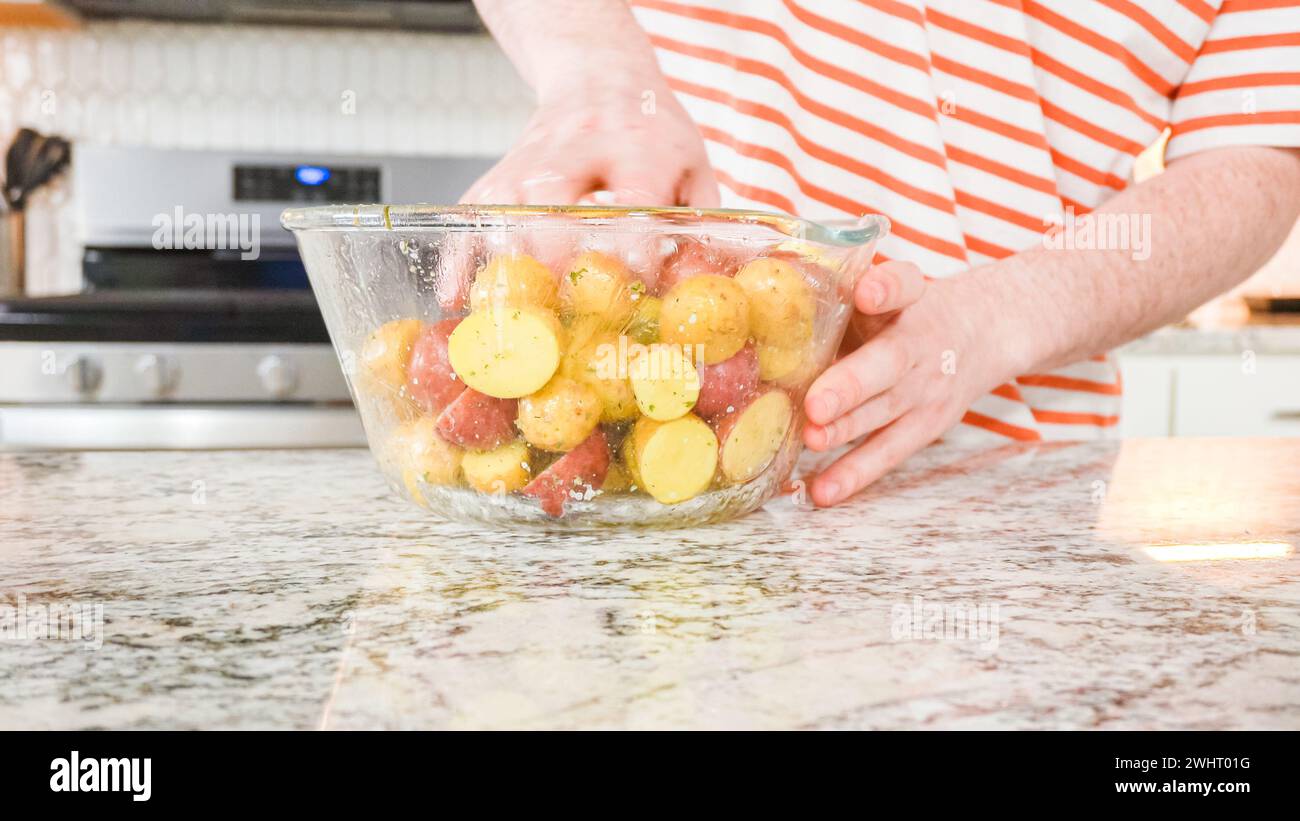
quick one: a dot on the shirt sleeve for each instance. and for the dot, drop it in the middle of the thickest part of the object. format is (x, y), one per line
(1243, 88)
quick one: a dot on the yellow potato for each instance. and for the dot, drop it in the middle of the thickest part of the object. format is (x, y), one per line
(560, 416)
(513, 280)
(643, 327)
(595, 363)
(628, 451)
(507, 352)
(598, 285)
(776, 363)
(617, 479)
(665, 383)
(675, 460)
(386, 353)
(781, 305)
(751, 436)
(503, 470)
(707, 310)
(421, 455)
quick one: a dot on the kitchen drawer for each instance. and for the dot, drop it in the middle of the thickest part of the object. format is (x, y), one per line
(1222, 396)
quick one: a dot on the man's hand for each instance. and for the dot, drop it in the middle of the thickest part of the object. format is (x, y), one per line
(630, 138)
(607, 127)
(931, 350)
(906, 382)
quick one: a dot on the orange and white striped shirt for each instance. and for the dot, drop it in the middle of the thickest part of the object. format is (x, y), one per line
(974, 125)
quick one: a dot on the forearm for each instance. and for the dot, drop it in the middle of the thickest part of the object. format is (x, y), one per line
(1214, 218)
(566, 46)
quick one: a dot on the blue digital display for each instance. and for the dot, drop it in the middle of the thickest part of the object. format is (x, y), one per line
(311, 174)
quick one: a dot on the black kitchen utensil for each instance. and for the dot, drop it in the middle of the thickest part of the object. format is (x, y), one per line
(17, 159)
(33, 159)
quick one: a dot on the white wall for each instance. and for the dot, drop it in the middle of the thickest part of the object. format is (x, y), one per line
(248, 88)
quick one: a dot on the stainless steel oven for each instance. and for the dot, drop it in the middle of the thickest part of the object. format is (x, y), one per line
(195, 327)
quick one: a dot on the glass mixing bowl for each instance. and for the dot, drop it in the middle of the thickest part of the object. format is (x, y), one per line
(582, 366)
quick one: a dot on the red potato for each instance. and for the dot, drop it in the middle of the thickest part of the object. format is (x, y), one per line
(692, 259)
(750, 437)
(725, 386)
(577, 474)
(478, 421)
(430, 379)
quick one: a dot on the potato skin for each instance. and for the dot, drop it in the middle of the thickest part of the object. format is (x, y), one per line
(594, 362)
(617, 479)
(420, 454)
(787, 367)
(478, 421)
(502, 470)
(692, 259)
(708, 310)
(725, 386)
(513, 280)
(781, 304)
(560, 416)
(643, 326)
(386, 353)
(597, 284)
(578, 473)
(431, 382)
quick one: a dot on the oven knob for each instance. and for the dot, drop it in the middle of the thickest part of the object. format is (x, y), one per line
(84, 374)
(158, 374)
(277, 376)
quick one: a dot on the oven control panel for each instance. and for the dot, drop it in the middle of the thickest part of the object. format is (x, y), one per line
(313, 184)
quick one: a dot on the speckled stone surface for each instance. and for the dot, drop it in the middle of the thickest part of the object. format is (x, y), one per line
(1278, 337)
(286, 590)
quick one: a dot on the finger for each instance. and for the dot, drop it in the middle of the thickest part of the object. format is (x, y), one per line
(489, 189)
(640, 186)
(874, 368)
(890, 286)
(699, 189)
(556, 187)
(881, 453)
(873, 414)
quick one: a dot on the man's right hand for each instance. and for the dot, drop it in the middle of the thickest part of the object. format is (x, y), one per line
(607, 128)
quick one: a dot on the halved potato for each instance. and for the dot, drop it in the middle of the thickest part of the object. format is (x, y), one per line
(751, 437)
(664, 381)
(502, 470)
(506, 352)
(675, 460)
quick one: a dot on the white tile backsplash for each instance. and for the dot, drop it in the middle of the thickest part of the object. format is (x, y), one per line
(254, 88)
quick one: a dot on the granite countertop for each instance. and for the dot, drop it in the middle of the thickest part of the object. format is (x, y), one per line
(1017, 587)
(1227, 329)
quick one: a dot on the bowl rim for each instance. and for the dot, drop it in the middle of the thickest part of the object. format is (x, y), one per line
(379, 217)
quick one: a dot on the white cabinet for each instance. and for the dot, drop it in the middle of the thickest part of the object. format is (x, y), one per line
(1211, 395)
